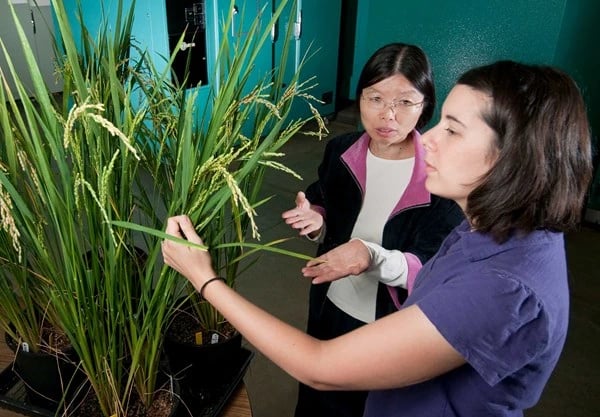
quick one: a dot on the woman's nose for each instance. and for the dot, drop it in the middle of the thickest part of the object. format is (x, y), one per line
(389, 112)
(428, 139)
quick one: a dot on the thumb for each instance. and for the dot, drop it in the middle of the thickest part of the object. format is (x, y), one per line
(301, 201)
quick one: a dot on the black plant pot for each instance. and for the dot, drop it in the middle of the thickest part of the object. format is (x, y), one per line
(49, 379)
(203, 365)
(204, 371)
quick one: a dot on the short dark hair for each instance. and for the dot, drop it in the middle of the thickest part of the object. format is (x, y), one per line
(407, 60)
(543, 166)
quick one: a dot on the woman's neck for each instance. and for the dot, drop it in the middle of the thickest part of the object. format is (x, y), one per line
(402, 150)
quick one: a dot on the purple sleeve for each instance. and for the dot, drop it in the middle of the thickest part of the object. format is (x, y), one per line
(497, 324)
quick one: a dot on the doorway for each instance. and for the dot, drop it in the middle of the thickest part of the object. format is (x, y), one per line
(346, 54)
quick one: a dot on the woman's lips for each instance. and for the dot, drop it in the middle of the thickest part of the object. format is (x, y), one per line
(429, 168)
(386, 132)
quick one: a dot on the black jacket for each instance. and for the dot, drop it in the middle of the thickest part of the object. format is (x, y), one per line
(417, 226)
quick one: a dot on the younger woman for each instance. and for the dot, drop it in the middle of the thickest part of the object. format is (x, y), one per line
(484, 326)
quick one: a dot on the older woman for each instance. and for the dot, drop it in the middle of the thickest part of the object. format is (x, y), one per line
(371, 186)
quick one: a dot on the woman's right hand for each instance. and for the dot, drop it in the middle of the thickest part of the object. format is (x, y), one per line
(350, 258)
(303, 218)
(193, 263)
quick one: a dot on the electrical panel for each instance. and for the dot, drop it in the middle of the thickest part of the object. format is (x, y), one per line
(187, 18)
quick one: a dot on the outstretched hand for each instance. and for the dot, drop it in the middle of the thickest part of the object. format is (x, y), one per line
(303, 218)
(193, 263)
(351, 258)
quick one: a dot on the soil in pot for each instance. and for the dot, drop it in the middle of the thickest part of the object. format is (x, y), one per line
(165, 403)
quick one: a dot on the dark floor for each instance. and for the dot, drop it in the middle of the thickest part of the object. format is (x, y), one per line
(275, 283)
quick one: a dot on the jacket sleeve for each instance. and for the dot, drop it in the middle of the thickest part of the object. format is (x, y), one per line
(315, 192)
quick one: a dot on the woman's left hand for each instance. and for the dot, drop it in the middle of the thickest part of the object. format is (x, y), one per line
(193, 263)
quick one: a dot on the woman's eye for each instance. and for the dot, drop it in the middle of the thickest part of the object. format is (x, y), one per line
(450, 131)
(375, 99)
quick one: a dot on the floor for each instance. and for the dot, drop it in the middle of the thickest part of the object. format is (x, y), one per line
(275, 283)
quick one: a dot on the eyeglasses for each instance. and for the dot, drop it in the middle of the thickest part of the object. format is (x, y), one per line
(403, 106)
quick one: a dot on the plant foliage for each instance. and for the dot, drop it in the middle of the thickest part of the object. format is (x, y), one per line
(84, 175)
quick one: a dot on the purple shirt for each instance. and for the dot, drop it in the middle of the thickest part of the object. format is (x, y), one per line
(504, 308)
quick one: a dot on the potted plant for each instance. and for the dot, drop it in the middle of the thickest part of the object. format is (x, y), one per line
(219, 187)
(74, 191)
(43, 358)
(69, 167)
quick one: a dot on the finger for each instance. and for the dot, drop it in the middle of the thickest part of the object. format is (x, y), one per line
(290, 214)
(311, 227)
(325, 275)
(298, 222)
(315, 274)
(304, 232)
(188, 230)
(309, 272)
(319, 280)
(173, 227)
(291, 221)
(315, 262)
(165, 253)
(301, 224)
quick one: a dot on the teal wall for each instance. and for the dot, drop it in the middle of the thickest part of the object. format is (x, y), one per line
(455, 34)
(460, 34)
(319, 46)
(319, 37)
(149, 26)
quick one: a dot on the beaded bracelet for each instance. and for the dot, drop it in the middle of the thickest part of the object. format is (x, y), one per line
(208, 282)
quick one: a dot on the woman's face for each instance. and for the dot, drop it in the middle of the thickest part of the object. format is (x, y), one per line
(460, 149)
(390, 109)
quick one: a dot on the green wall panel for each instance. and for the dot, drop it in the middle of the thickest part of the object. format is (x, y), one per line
(460, 34)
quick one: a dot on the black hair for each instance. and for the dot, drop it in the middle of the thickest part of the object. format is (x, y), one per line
(407, 60)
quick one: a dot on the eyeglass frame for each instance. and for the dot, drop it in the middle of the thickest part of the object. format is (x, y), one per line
(396, 105)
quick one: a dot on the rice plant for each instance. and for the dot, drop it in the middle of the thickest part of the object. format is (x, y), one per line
(80, 228)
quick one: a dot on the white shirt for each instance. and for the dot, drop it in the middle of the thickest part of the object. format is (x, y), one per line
(386, 182)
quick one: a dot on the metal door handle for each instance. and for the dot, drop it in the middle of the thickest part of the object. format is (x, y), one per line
(234, 12)
(298, 25)
(186, 45)
(274, 31)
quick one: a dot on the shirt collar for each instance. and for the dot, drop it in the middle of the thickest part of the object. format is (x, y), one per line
(477, 245)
